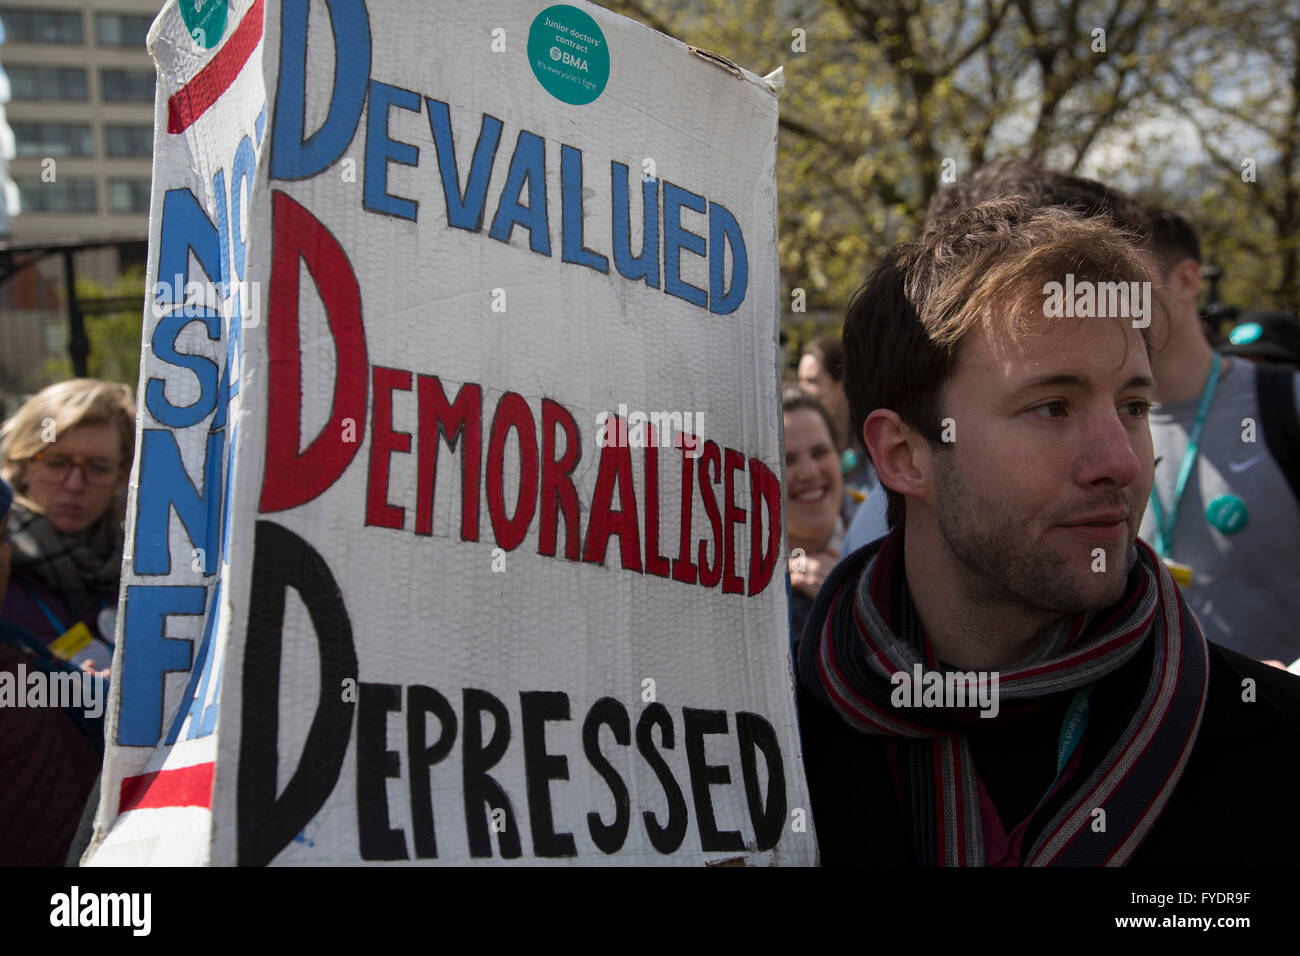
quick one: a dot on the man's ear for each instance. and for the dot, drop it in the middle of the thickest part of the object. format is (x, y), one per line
(896, 451)
(1185, 280)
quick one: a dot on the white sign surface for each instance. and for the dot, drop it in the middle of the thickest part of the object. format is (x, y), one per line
(456, 529)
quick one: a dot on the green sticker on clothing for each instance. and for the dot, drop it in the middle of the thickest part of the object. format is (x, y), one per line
(1227, 513)
(205, 19)
(568, 54)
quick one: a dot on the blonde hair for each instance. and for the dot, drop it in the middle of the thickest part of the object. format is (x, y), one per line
(59, 409)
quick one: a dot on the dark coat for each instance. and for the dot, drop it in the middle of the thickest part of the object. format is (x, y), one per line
(20, 607)
(1236, 804)
(47, 767)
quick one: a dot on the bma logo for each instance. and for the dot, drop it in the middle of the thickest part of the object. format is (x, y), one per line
(568, 59)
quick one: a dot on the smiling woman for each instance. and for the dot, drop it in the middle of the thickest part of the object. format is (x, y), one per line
(814, 489)
(67, 453)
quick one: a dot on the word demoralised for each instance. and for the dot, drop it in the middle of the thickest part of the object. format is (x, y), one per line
(549, 448)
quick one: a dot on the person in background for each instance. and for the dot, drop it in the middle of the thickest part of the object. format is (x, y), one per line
(1225, 508)
(814, 488)
(6, 500)
(869, 522)
(1265, 338)
(48, 763)
(821, 374)
(67, 453)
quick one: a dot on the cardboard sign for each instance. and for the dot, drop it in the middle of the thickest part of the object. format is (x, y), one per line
(456, 531)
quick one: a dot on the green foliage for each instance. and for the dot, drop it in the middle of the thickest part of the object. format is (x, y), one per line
(114, 337)
(1239, 89)
(884, 91)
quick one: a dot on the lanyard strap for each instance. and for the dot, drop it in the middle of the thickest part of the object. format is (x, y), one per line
(1165, 521)
(45, 609)
(54, 620)
(1072, 728)
(26, 640)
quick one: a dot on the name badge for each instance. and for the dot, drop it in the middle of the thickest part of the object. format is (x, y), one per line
(1182, 573)
(71, 641)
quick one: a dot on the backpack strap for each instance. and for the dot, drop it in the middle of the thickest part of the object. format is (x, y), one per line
(1275, 391)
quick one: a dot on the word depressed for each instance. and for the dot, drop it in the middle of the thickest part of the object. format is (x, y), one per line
(463, 757)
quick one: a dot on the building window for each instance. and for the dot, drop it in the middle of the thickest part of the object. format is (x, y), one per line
(128, 140)
(126, 86)
(64, 195)
(114, 29)
(128, 195)
(42, 26)
(46, 83)
(53, 139)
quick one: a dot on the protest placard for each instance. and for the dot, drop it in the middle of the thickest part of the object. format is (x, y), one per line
(456, 524)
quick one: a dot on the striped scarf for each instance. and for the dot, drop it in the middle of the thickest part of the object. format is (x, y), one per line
(79, 567)
(866, 629)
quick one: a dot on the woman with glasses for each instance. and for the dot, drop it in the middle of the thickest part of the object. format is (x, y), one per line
(67, 453)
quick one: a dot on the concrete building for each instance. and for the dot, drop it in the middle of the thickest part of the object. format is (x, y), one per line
(81, 95)
(81, 109)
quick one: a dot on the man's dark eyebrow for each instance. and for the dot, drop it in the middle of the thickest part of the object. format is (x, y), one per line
(1068, 380)
(1052, 381)
(1140, 381)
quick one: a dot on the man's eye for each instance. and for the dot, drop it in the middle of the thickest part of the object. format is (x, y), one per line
(1138, 408)
(100, 467)
(1049, 410)
(58, 462)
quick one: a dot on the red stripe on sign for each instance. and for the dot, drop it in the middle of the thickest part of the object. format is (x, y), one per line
(183, 787)
(193, 99)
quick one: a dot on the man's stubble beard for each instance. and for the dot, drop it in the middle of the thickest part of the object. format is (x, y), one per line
(1001, 562)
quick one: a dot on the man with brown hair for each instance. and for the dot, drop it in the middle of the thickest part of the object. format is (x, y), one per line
(1225, 506)
(1011, 677)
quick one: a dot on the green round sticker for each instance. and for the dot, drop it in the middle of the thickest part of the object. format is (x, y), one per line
(1227, 513)
(568, 54)
(1245, 334)
(205, 19)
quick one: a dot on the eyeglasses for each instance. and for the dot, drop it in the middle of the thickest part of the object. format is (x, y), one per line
(95, 471)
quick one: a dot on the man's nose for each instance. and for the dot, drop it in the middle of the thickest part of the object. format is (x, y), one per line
(76, 478)
(1108, 455)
